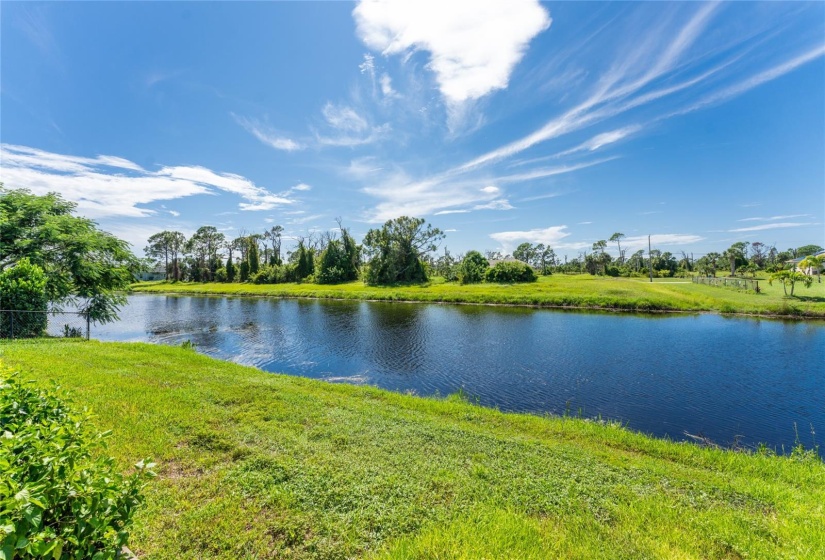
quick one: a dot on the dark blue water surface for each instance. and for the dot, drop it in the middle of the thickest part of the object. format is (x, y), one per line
(727, 379)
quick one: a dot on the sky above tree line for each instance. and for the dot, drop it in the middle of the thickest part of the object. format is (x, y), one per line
(700, 124)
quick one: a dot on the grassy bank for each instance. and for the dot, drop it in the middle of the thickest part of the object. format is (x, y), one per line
(580, 291)
(256, 465)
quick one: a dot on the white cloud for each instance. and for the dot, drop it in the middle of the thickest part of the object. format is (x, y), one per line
(473, 46)
(755, 80)
(498, 204)
(107, 186)
(401, 195)
(549, 236)
(301, 187)
(601, 140)
(774, 218)
(542, 197)
(344, 118)
(377, 133)
(445, 212)
(778, 225)
(174, 213)
(368, 67)
(386, 86)
(305, 219)
(267, 135)
(649, 59)
(660, 239)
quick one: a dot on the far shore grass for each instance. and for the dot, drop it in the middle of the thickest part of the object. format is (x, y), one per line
(559, 290)
(259, 465)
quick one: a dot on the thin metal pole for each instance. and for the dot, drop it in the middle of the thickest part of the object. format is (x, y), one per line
(11, 317)
(87, 327)
(649, 259)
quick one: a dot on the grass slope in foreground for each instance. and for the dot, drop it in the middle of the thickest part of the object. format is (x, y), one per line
(583, 291)
(256, 465)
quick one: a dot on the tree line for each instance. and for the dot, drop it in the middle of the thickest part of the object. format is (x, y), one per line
(404, 250)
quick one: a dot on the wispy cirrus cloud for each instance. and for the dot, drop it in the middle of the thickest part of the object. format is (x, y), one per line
(400, 194)
(778, 225)
(108, 186)
(660, 240)
(774, 218)
(349, 127)
(267, 135)
(662, 54)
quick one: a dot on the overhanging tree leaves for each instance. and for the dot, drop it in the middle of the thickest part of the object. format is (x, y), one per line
(83, 265)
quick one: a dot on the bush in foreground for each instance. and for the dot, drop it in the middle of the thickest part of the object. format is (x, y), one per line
(23, 288)
(59, 498)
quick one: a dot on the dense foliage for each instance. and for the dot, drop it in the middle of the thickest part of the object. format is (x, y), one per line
(509, 272)
(340, 260)
(59, 498)
(472, 269)
(23, 288)
(82, 264)
(396, 251)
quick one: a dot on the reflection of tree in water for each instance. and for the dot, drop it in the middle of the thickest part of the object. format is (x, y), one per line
(339, 325)
(399, 342)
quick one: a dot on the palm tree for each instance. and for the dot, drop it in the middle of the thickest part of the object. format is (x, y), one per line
(813, 262)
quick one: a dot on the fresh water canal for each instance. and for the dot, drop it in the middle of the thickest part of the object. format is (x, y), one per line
(727, 379)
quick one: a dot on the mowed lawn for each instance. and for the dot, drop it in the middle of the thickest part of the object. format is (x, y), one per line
(580, 291)
(257, 465)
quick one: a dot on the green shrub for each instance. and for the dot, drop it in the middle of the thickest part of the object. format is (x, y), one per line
(59, 498)
(472, 268)
(272, 274)
(511, 272)
(220, 275)
(23, 288)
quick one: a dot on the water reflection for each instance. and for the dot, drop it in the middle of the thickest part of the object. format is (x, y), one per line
(720, 377)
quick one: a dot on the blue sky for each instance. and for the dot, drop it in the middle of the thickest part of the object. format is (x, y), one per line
(499, 122)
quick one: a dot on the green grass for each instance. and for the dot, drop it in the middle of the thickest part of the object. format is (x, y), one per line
(257, 465)
(579, 291)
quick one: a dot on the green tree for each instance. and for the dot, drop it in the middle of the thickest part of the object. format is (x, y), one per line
(789, 278)
(735, 254)
(617, 239)
(600, 257)
(544, 258)
(23, 288)
(473, 268)
(273, 235)
(231, 271)
(83, 265)
(204, 246)
(807, 250)
(525, 253)
(165, 247)
(252, 252)
(814, 264)
(396, 251)
(340, 259)
(159, 250)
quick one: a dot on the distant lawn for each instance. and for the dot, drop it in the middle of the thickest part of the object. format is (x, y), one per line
(575, 291)
(257, 465)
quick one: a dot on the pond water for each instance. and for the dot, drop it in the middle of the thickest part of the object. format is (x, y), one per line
(728, 379)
